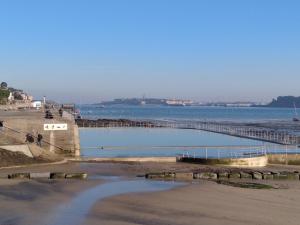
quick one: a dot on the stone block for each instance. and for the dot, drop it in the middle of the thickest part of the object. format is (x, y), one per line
(268, 176)
(234, 175)
(257, 176)
(245, 175)
(222, 175)
(57, 175)
(19, 176)
(76, 176)
(184, 176)
(169, 175)
(206, 175)
(40, 175)
(286, 176)
(155, 176)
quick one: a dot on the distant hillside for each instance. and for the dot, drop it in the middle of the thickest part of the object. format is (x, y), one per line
(285, 102)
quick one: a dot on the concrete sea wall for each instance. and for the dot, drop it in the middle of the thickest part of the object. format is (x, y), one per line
(19, 123)
(18, 148)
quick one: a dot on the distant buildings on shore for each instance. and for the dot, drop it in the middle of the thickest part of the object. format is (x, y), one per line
(176, 102)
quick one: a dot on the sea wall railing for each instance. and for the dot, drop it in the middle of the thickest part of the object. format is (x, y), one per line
(264, 134)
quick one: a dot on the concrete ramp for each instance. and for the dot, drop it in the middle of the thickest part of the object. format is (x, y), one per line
(18, 148)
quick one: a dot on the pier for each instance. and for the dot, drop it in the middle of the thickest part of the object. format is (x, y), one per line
(278, 132)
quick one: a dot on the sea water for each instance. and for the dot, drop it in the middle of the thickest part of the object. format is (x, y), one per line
(187, 113)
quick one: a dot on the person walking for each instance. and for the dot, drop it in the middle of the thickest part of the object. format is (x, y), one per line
(1, 126)
(39, 140)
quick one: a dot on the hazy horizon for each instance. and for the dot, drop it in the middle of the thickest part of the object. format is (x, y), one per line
(91, 51)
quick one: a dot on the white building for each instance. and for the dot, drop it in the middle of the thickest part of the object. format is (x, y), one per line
(36, 104)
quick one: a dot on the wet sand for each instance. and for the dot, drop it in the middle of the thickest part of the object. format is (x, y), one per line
(31, 202)
(25, 202)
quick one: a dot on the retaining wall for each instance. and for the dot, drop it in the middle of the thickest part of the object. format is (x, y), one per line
(259, 161)
(288, 159)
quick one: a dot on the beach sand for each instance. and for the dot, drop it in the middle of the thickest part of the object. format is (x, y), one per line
(25, 202)
(205, 203)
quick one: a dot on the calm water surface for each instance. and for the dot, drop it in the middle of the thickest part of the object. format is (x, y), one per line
(135, 142)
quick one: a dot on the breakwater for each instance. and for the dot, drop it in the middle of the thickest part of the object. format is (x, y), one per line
(86, 123)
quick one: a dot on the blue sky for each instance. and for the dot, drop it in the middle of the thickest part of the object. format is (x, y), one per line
(209, 50)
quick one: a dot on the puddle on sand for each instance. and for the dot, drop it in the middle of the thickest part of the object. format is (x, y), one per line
(75, 212)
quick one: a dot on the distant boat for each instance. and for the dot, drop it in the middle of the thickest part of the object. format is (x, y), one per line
(296, 118)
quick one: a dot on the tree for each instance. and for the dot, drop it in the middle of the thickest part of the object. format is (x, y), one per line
(4, 94)
(3, 85)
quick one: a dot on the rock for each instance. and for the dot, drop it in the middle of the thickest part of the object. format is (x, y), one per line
(257, 176)
(234, 175)
(40, 175)
(19, 176)
(222, 175)
(76, 176)
(245, 175)
(57, 175)
(184, 176)
(206, 175)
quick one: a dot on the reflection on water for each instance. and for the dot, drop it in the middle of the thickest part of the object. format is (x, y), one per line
(76, 211)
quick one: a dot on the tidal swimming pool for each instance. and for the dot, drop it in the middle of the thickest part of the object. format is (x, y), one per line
(159, 142)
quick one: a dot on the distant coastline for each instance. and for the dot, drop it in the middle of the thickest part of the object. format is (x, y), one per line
(283, 102)
(279, 102)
